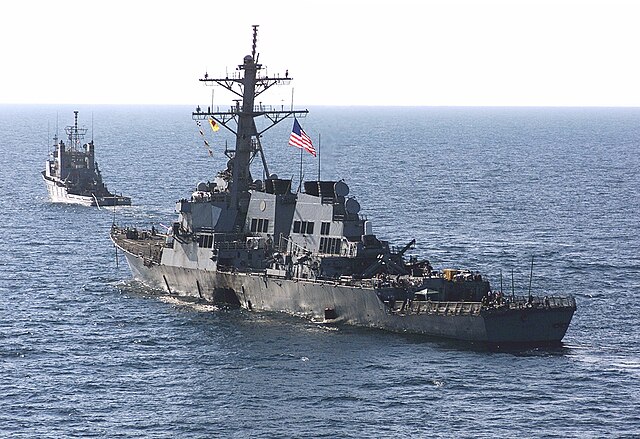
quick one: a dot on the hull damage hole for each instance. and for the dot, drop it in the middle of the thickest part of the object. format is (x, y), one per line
(330, 314)
(226, 296)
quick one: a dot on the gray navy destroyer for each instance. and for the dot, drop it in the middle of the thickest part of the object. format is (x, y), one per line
(72, 175)
(261, 246)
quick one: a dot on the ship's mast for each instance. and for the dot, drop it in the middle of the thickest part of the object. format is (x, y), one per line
(247, 84)
(74, 133)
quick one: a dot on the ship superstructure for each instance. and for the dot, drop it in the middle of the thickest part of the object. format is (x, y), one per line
(72, 175)
(265, 247)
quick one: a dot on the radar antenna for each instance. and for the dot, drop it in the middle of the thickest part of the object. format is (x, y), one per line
(74, 133)
(255, 41)
(247, 85)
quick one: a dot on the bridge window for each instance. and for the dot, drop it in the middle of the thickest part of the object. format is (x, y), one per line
(205, 241)
(259, 225)
(304, 227)
(325, 228)
(330, 246)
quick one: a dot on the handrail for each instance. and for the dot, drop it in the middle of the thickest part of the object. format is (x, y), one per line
(417, 307)
(520, 302)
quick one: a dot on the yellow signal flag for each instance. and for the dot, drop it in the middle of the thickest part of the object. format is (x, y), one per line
(214, 125)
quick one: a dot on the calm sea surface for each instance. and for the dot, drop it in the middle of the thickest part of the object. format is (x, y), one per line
(86, 352)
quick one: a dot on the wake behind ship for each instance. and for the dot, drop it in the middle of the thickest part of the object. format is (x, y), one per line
(72, 174)
(264, 247)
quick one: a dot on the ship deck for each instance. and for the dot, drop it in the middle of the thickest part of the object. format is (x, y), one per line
(144, 244)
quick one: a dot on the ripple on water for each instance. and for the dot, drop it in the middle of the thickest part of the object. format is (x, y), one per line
(87, 352)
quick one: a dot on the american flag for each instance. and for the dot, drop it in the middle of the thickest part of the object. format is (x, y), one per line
(299, 139)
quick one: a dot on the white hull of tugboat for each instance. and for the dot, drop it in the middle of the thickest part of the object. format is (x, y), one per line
(59, 194)
(355, 305)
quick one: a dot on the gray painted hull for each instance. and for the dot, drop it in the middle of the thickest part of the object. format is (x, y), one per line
(358, 306)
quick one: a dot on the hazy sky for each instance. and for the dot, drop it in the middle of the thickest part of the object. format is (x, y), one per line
(393, 52)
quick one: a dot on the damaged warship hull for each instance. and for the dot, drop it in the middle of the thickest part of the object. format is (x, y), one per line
(357, 303)
(260, 245)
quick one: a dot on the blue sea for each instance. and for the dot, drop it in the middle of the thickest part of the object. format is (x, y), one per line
(87, 352)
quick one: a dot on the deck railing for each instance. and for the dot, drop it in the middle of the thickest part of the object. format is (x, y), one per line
(521, 302)
(418, 307)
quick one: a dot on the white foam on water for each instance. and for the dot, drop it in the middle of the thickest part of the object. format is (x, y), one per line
(196, 306)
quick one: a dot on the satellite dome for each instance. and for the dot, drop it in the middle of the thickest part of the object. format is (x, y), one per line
(352, 206)
(341, 189)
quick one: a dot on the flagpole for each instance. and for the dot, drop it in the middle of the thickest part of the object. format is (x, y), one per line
(294, 118)
(300, 181)
(292, 100)
(318, 151)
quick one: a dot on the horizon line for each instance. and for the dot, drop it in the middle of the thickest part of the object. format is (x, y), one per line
(335, 105)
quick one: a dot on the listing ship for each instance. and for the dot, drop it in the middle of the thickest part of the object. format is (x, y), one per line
(261, 246)
(72, 174)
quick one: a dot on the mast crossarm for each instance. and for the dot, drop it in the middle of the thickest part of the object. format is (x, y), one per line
(262, 84)
(220, 116)
(227, 83)
(258, 110)
(266, 83)
(222, 119)
(278, 116)
(276, 113)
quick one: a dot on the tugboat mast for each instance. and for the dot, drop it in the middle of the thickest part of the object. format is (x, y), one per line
(74, 133)
(247, 87)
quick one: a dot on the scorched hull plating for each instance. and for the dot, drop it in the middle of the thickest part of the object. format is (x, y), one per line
(359, 306)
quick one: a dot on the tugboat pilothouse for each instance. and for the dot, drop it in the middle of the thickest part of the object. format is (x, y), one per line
(72, 174)
(264, 247)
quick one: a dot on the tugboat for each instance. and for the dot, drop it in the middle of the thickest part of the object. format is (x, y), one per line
(261, 246)
(72, 174)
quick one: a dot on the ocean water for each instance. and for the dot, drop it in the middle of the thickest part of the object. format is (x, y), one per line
(87, 352)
